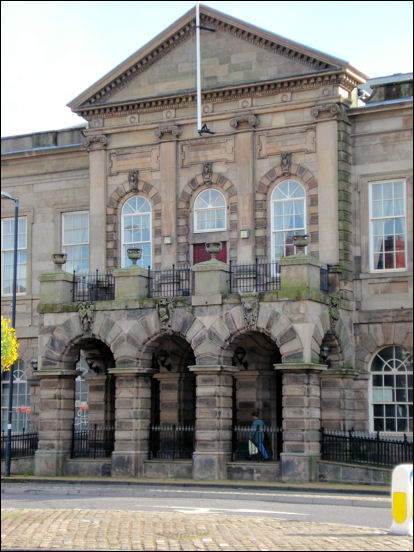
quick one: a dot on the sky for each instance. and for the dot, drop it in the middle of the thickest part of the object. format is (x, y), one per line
(52, 51)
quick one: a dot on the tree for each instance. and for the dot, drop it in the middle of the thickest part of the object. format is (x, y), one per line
(9, 345)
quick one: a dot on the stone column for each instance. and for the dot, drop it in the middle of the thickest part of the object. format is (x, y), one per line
(96, 400)
(214, 404)
(96, 145)
(132, 420)
(301, 420)
(57, 402)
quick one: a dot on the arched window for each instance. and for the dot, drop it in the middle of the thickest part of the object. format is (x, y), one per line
(392, 390)
(21, 399)
(288, 217)
(136, 230)
(210, 211)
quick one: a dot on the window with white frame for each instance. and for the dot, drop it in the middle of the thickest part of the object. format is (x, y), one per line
(288, 217)
(21, 399)
(7, 256)
(210, 211)
(136, 230)
(387, 227)
(392, 390)
(75, 241)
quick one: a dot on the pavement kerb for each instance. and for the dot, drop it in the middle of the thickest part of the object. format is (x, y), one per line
(319, 487)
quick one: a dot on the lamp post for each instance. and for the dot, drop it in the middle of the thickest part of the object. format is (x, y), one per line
(10, 406)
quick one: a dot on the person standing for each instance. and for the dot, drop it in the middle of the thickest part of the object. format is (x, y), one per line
(256, 436)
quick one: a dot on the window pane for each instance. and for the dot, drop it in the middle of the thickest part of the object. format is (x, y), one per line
(390, 424)
(377, 380)
(387, 189)
(378, 424)
(377, 209)
(378, 410)
(376, 191)
(377, 395)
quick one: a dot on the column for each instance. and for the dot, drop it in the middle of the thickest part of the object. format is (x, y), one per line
(57, 398)
(169, 397)
(132, 420)
(214, 413)
(97, 201)
(301, 420)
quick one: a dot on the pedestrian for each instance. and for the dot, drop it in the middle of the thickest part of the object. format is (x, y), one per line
(256, 437)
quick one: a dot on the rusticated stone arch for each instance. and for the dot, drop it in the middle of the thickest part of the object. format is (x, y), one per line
(339, 331)
(184, 212)
(60, 349)
(113, 220)
(274, 324)
(264, 191)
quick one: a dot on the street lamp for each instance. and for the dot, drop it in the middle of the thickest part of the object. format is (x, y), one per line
(10, 408)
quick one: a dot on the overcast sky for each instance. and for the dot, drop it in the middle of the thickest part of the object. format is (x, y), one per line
(53, 51)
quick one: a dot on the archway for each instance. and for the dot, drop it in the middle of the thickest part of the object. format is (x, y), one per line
(257, 388)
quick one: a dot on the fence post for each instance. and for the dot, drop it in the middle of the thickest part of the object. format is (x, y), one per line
(231, 275)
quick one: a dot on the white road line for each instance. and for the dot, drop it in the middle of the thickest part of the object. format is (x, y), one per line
(195, 510)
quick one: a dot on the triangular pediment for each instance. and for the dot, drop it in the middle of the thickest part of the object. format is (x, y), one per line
(235, 54)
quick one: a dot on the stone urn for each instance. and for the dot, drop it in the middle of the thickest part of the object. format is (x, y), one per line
(59, 259)
(214, 249)
(300, 241)
(134, 254)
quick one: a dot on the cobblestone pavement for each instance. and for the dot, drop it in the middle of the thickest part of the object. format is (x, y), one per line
(77, 529)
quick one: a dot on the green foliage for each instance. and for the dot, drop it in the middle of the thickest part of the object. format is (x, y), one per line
(9, 345)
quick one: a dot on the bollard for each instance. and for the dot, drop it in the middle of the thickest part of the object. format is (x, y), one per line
(402, 500)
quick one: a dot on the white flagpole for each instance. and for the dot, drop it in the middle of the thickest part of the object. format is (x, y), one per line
(198, 66)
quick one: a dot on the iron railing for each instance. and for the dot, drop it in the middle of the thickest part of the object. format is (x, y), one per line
(171, 441)
(96, 286)
(324, 282)
(260, 275)
(22, 444)
(96, 442)
(171, 282)
(269, 444)
(362, 448)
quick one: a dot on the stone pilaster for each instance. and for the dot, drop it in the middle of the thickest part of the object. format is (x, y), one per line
(213, 421)
(132, 420)
(96, 400)
(169, 397)
(168, 175)
(301, 420)
(337, 401)
(57, 397)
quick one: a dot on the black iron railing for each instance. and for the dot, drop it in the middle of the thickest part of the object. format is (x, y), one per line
(266, 446)
(171, 282)
(260, 275)
(324, 287)
(97, 286)
(361, 448)
(171, 441)
(22, 444)
(93, 442)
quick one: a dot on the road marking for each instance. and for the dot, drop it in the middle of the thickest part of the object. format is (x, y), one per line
(195, 510)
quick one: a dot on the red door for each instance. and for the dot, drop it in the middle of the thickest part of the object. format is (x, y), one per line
(200, 254)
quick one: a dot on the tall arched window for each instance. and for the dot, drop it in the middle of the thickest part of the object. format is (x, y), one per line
(21, 399)
(392, 391)
(136, 230)
(210, 211)
(288, 217)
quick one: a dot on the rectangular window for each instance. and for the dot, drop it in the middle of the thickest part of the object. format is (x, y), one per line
(75, 241)
(7, 256)
(387, 226)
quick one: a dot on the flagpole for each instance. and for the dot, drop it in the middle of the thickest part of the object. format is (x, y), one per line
(198, 66)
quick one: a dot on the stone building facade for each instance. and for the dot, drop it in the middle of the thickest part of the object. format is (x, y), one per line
(299, 143)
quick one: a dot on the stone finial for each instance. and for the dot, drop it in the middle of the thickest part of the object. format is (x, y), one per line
(59, 259)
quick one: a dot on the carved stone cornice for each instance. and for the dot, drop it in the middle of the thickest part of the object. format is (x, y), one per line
(250, 118)
(174, 130)
(97, 141)
(239, 92)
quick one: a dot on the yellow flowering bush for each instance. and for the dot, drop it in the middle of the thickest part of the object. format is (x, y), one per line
(9, 345)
